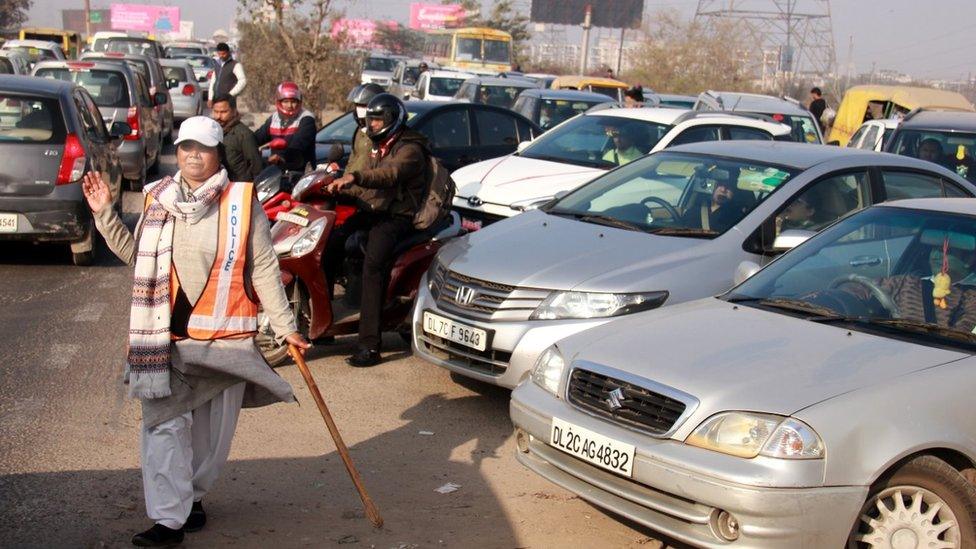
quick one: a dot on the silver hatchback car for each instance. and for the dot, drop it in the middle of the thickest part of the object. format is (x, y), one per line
(670, 227)
(824, 402)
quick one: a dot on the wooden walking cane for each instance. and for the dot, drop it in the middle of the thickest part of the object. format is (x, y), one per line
(371, 511)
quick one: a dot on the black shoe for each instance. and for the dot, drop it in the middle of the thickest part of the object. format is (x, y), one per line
(364, 358)
(158, 536)
(197, 519)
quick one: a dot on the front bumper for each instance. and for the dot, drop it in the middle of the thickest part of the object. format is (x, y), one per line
(679, 490)
(132, 155)
(514, 348)
(58, 217)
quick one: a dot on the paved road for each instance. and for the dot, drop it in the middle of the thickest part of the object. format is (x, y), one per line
(69, 452)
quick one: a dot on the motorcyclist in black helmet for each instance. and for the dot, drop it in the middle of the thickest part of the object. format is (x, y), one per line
(361, 145)
(390, 188)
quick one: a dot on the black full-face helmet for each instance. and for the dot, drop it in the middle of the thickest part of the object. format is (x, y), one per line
(388, 108)
(360, 97)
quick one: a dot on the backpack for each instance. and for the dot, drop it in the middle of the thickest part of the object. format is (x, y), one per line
(437, 198)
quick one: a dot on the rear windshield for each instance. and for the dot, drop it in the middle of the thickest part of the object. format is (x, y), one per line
(123, 45)
(445, 86)
(501, 96)
(107, 88)
(174, 73)
(608, 91)
(176, 50)
(198, 62)
(30, 120)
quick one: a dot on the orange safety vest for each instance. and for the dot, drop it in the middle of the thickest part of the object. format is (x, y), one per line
(224, 309)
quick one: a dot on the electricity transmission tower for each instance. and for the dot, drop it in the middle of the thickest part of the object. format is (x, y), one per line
(790, 36)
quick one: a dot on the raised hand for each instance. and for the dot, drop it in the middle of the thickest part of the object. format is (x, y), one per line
(96, 191)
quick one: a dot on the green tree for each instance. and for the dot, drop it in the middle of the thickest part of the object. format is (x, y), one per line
(504, 17)
(399, 40)
(13, 13)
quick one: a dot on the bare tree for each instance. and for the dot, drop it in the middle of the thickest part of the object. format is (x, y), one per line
(292, 41)
(13, 13)
(682, 56)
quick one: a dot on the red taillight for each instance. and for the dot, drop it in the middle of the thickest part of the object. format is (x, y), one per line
(72, 161)
(132, 119)
(209, 74)
(189, 89)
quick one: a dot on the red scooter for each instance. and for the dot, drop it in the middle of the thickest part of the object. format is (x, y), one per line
(273, 185)
(300, 236)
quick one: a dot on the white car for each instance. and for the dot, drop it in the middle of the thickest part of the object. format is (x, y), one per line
(35, 50)
(873, 134)
(438, 85)
(584, 147)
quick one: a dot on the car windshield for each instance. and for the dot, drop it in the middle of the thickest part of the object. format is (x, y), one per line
(33, 54)
(501, 96)
(802, 129)
(953, 150)
(555, 111)
(674, 193)
(29, 120)
(380, 64)
(497, 51)
(107, 88)
(445, 86)
(894, 271)
(339, 130)
(122, 45)
(597, 141)
(468, 49)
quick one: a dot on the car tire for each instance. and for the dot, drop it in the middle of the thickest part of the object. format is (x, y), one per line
(908, 497)
(276, 354)
(83, 259)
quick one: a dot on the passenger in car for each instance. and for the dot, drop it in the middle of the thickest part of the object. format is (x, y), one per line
(931, 150)
(798, 215)
(624, 148)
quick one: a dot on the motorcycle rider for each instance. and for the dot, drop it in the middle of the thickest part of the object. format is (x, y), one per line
(391, 185)
(361, 144)
(292, 123)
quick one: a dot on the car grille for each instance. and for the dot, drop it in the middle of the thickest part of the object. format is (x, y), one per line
(486, 300)
(489, 361)
(640, 408)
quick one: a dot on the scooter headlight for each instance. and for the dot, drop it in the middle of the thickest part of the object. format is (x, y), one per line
(310, 237)
(302, 185)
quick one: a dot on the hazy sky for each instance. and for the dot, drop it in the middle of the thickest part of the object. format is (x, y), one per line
(932, 39)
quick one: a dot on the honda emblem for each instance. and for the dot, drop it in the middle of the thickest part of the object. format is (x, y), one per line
(465, 295)
(615, 399)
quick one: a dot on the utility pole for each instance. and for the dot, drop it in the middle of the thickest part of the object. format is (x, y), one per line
(585, 47)
(620, 52)
(87, 19)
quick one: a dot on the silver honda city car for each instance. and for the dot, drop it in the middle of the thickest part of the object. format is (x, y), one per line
(667, 228)
(824, 402)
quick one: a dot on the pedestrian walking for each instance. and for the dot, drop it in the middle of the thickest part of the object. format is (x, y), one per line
(228, 76)
(203, 258)
(817, 106)
(240, 155)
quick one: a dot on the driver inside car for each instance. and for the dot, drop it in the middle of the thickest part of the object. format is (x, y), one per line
(726, 205)
(624, 148)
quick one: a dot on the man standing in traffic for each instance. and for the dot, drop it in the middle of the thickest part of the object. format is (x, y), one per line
(228, 76)
(239, 152)
(817, 105)
(392, 185)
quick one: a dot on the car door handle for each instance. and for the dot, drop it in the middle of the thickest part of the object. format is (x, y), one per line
(865, 261)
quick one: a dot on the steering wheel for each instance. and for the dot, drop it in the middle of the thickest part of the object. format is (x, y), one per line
(882, 296)
(662, 203)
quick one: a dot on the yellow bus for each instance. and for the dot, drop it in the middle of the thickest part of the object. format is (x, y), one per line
(70, 41)
(472, 49)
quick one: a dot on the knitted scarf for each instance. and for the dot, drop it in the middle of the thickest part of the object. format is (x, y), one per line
(148, 361)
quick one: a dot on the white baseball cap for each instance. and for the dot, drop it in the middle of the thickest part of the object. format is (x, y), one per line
(202, 129)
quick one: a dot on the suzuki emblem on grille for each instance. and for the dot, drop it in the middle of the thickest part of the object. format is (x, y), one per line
(465, 295)
(615, 399)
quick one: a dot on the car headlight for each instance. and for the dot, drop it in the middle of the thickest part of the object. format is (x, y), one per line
(548, 369)
(267, 188)
(749, 434)
(310, 237)
(561, 305)
(302, 184)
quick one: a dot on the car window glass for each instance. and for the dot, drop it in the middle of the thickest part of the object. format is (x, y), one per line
(524, 130)
(174, 73)
(870, 138)
(142, 88)
(448, 129)
(96, 115)
(445, 86)
(85, 118)
(598, 141)
(30, 120)
(495, 128)
(499, 96)
(802, 128)
(523, 106)
(855, 140)
(740, 133)
(824, 202)
(555, 111)
(953, 150)
(339, 130)
(899, 185)
(695, 135)
(108, 88)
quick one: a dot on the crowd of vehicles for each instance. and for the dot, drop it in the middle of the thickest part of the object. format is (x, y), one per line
(804, 406)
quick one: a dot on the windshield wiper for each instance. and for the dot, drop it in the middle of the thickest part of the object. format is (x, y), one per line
(610, 222)
(904, 324)
(682, 231)
(795, 305)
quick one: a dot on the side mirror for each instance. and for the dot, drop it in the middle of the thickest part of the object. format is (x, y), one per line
(787, 240)
(119, 130)
(523, 145)
(160, 98)
(744, 271)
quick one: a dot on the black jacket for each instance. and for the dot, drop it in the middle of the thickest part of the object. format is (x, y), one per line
(240, 153)
(397, 181)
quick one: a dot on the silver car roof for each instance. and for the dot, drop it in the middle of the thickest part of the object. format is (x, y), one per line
(799, 155)
(965, 206)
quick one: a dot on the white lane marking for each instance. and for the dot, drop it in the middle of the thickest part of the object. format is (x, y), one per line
(90, 312)
(62, 354)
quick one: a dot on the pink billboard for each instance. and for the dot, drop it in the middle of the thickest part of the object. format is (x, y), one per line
(143, 18)
(359, 32)
(435, 16)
